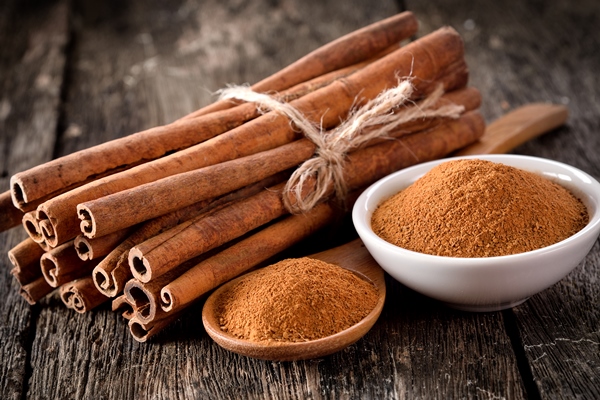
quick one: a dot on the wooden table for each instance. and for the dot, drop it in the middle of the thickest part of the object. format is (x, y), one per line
(76, 73)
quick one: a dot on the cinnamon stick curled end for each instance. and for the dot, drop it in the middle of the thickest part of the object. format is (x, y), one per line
(123, 305)
(111, 281)
(87, 225)
(103, 280)
(47, 231)
(18, 195)
(81, 295)
(25, 258)
(36, 290)
(140, 267)
(167, 303)
(139, 298)
(62, 265)
(143, 331)
(32, 227)
(49, 267)
(83, 249)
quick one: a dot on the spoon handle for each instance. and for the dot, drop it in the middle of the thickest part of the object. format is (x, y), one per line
(517, 127)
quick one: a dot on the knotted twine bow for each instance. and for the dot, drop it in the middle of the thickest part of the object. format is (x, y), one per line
(376, 119)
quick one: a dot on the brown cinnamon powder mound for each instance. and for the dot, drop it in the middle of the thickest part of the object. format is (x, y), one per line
(295, 300)
(476, 208)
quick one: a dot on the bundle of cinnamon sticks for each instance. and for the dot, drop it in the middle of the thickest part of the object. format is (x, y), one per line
(155, 220)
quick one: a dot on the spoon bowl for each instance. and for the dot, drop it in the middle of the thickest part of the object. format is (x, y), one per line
(352, 256)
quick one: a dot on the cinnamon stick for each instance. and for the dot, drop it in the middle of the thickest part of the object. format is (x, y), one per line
(469, 98)
(10, 216)
(121, 304)
(130, 207)
(349, 49)
(440, 54)
(164, 252)
(144, 299)
(242, 256)
(111, 274)
(36, 290)
(64, 173)
(81, 295)
(145, 296)
(25, 258)
(143, 331)
(62, 265)
(270, 130)
(90, 249)
(31, 225)
(373, 163)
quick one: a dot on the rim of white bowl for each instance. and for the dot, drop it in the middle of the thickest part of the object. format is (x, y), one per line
(361, 220)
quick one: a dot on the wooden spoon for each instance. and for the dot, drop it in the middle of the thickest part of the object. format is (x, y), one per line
(352, 256)
(517, 127)
(506, 133)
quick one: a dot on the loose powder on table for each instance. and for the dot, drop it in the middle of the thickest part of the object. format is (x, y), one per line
(295, 300)
(477, 208)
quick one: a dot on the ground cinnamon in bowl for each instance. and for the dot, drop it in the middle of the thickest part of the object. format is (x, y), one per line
(295, 300)
(478, 208)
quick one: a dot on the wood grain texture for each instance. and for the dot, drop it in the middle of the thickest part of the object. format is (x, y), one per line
(33, 37)
(530, 52)
(130, 65)
(516, 127)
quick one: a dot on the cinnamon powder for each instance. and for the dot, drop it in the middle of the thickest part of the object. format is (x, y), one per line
(295, 300)
(477, 208)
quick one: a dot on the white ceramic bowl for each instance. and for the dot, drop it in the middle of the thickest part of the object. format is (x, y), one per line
(482, 284)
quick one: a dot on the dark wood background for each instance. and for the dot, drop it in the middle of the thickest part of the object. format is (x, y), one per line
(77, 73)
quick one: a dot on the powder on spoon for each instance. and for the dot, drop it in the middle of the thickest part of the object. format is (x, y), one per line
(295, 300)
(477, 208)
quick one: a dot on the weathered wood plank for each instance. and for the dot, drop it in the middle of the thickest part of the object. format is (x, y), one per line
(137, 65)
(33, 48)
(33, 37)
(530, 51)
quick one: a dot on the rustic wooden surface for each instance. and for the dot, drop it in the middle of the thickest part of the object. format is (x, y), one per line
(76, 73)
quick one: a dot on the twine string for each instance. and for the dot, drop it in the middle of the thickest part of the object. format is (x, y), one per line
(375, 119)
